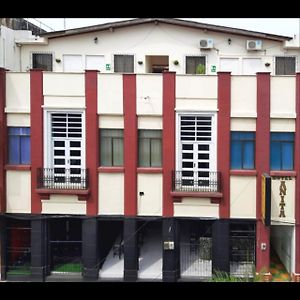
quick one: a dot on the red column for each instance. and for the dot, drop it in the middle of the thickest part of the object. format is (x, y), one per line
(36, 134)
(3, 139)
(130, 145)
(223, 140)
(92, 139)
(168, 137)
(262, 157)
(297, 169)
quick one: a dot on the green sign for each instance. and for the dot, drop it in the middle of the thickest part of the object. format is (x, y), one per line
(107, 67)
(213, 68)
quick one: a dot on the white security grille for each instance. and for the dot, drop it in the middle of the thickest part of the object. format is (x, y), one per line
(66, 125)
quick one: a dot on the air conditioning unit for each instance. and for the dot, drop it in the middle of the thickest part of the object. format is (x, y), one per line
(206, 44)
(254, 45)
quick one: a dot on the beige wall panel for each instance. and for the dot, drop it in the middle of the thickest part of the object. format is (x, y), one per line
(196, 105)
(243, 124)
(243, 96)
(111, 194)
(192, 207)
(64, 102)
(18, 192)
(151, 203)
(242, 196)
(283, 125)
(283, 96)
(110, 94)
(64, 204)
(17, 92)
(111, 121)
(18, 120)
(149, 94)
(149, 122)
(64, 84)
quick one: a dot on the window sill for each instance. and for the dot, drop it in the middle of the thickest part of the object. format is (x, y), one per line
(243, 172)
(18, 167)
(215, 197)
(111, 170)
(149, 170)
(45, 193)
(283, 173)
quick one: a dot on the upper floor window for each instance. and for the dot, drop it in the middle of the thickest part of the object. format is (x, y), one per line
(123, 63)
(19, 145)
(285, 65)
(42, 61)
(195, 65)
(111, 147)
(242, 150)
(282, 151)
(150, 148)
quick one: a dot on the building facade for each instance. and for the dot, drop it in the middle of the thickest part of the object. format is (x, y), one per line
(148, 165)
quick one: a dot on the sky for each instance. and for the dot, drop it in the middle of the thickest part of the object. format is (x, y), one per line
(279, 26)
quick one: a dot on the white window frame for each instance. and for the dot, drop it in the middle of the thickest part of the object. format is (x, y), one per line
(213, 142)
(195, 55)
(274, 64)
(112, 66)
(88, 55)
(73, 54)
(251, 57)
(48, 151)
(231, 57)
(42, 52)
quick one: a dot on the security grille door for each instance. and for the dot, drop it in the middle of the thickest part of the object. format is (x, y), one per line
(67, 149)
(195, 137)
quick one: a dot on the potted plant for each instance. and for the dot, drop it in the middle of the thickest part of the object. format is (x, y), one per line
(176, 62)
(140, 62)
(200, 69)
(58, 60)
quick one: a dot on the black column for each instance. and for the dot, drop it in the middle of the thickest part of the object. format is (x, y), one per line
(171, 257)
(38, 249)
(90, 251)
(3, 243)
(130, 249)
(220, 246)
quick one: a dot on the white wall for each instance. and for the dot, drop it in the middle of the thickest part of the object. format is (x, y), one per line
(196, 207)
(150, 204)
(243, 96)
(243, 197)
(18, 120)
(283, 241)
(283, 97)
(111, 194)
(149, 94)
(150, 39)
(17, 92)
(64, 204)
(243, 124)
(110, 100)
(18, 192)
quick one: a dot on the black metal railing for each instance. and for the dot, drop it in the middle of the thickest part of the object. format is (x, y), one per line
(63, 179)
(196, 181)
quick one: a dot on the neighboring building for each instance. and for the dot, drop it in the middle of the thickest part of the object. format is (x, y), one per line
(146, 169)
(12, 30)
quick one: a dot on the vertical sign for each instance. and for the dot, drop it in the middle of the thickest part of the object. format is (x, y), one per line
(266, 199)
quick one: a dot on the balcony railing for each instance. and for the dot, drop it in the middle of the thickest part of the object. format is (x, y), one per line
(196, 181)
(68, 179)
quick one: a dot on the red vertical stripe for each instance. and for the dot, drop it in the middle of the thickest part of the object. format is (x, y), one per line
(130, 145)
(36, 134)
(3, 137)
(92, 139)
(223, 140)
(168, 136)
(262, 157)
(297, 169)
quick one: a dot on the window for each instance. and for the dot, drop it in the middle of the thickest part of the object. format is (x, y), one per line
(123, 63)
(251, 66)
(195, 65)
(285, 65)
(42, 61)
(282, 151)
(242, 150)
(230, 65)
(19, 145)
(95, 62)
(150, 145)
(111, 147)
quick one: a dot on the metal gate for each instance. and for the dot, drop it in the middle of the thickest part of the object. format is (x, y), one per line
(242, 256)
(196, 258)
